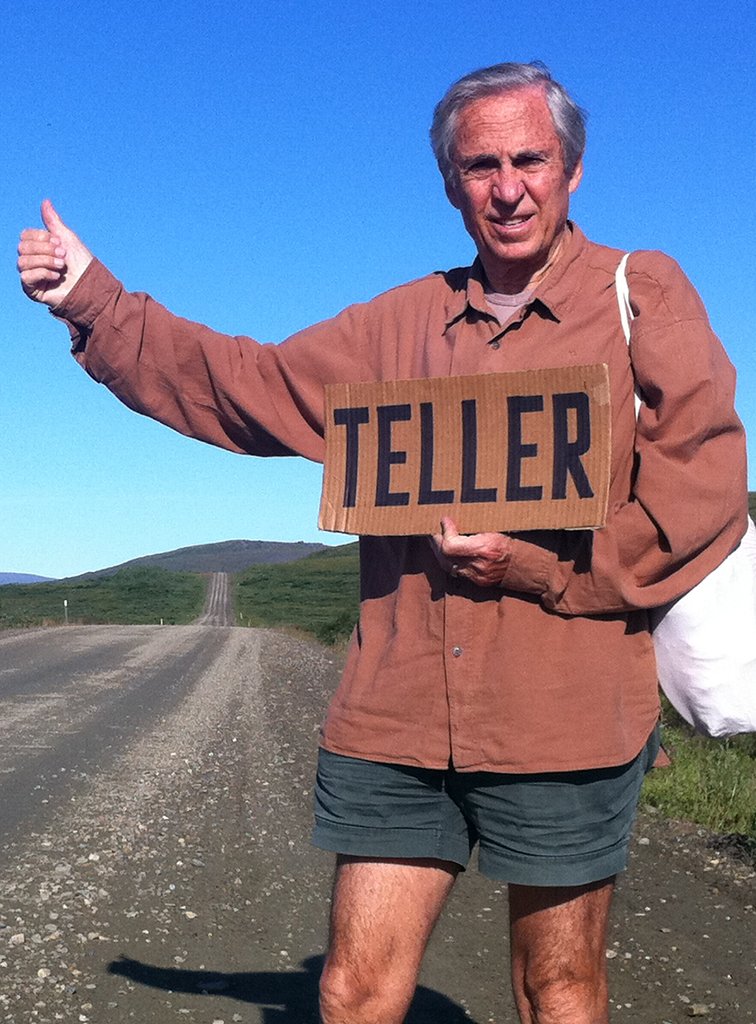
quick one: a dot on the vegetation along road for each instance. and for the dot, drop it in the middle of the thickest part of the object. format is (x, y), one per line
(155, 788)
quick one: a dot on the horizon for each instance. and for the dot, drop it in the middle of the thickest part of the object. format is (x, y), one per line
(36, 577)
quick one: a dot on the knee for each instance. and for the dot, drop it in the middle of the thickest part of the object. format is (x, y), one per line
(349, 997)
(567, 997)
(340, 995)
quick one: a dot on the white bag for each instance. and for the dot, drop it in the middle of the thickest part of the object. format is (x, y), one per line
(705, 641)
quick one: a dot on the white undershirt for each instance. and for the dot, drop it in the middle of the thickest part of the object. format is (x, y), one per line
(504, 306)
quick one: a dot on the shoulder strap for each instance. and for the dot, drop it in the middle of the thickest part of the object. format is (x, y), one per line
(623, 296)
(625, 311)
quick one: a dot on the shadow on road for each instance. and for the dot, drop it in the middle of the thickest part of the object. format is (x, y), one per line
(288, 997)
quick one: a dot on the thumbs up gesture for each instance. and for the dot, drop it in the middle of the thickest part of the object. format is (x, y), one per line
(52, 260)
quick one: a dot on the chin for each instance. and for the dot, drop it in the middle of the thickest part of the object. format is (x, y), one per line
(516, 252)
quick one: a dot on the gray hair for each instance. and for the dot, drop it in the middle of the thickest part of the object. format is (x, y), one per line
(569, 119)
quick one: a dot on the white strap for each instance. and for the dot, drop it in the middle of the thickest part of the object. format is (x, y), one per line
(623, 297)
(625, 311)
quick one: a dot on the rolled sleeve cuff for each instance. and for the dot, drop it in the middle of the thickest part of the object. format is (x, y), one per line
(86, 300)
(528, 567)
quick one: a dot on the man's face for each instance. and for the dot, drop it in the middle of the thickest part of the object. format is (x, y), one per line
(511, 187)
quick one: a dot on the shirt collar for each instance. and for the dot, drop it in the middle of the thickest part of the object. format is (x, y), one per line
(554, 294)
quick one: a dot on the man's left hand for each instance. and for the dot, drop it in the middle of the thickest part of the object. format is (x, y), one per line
(481, 558)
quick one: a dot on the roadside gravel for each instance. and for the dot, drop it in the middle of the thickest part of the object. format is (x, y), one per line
(155, 862)
(177, 883)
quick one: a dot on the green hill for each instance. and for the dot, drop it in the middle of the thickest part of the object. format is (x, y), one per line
(224, 556)
(132, 596)
(319, 594)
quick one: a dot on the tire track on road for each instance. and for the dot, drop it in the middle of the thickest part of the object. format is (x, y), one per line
(59, 725)
(217, 610)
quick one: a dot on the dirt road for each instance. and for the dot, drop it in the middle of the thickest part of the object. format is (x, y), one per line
(155, 787)
(217, 610)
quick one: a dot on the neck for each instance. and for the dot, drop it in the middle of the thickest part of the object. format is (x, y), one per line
(515, 278)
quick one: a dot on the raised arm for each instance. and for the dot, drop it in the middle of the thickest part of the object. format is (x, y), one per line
(232, 392)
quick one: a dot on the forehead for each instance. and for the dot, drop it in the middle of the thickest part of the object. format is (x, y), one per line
(506, 122)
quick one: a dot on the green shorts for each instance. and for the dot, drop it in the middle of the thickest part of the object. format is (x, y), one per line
(549, 828)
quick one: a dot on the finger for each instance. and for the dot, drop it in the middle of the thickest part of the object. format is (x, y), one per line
(30, 263)
(31, 279)
(33, 250)
(37, 236)
(436, 541)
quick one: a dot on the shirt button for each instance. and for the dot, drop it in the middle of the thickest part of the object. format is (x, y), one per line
(456, 651)
(495, 344)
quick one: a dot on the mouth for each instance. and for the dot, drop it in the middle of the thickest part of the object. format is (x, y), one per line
(511, 226)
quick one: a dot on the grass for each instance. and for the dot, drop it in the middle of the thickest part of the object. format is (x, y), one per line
(132, 596)
(711, 782)
(318, 594)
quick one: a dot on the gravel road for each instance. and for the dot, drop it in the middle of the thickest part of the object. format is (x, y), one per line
(155, 788)
(217, 610)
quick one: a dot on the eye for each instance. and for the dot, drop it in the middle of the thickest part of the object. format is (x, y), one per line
(529, 159)
(480, 166)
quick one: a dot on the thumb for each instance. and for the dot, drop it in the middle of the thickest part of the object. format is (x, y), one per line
(77, 256)
(449, 530)
(51, 220)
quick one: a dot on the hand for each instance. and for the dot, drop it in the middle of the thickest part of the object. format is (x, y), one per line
(50, 262)
(479, 557)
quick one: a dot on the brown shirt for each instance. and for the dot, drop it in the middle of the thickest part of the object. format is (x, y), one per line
(554, 671)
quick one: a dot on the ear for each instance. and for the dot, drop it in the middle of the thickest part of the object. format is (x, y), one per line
(576, 177)
(452, 194)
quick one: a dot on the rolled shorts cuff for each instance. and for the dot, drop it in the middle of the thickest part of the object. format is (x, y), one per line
(400, 843)
(557, 871)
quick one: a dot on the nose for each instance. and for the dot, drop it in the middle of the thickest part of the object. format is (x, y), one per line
(508, 186)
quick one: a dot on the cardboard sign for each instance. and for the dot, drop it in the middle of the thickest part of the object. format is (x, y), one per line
(503, 451)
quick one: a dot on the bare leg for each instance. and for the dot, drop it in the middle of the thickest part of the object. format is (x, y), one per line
(558, 952)
(382, 916)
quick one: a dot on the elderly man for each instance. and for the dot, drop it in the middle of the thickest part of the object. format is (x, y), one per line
(499, 689)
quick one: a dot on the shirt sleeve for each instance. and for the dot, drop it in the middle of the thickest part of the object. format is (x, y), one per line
(232, 392)
(688, 506)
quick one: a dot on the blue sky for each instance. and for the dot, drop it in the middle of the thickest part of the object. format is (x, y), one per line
(259, 166)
